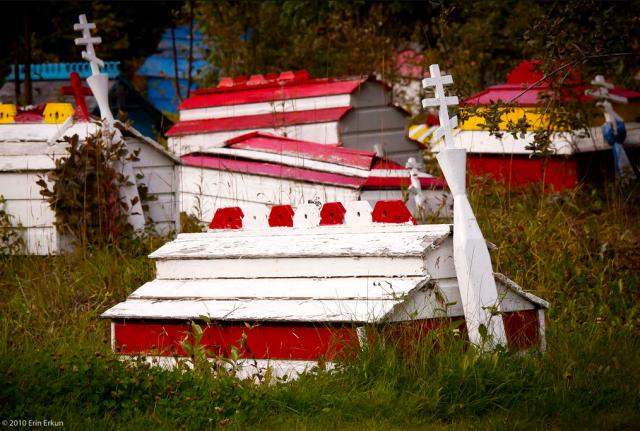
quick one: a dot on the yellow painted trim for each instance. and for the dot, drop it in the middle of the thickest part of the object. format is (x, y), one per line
(533, 117)
(57, 113)
(8, 113)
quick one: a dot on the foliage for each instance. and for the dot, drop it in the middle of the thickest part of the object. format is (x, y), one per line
(11, 240)
(577, 250)
(86, 189)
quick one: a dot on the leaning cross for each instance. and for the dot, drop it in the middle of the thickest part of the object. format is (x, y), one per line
(89, 41)
(478, 291)
(441, 101)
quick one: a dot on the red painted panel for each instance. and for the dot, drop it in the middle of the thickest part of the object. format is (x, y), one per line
(332, 213)
(391, 212)
(309, 150)
(268, 92)
(281, 216)
(400, 182)
(522, 328)
(261, 121)
(263, 341)
(271, 170)
(557, 173)
(227, 218)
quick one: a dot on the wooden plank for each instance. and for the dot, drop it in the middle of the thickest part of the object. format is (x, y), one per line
(41, 240)
(343, 243)
(307, 103)
(441, 298)
(280, 288)
(162, 209)
(26, 163)
(30, 213)
(259, 310)
(377, 119)
(248, 368)
(149, 156)
(291, 267)
(29, 132)
(322, 133)
(159, 179)
(21, 185)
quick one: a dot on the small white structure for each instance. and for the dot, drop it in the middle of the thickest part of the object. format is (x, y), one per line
(26, 154)
(269, 169)
(288, 297)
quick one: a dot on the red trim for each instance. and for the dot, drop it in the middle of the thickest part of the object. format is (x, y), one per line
(261, 121)
(399, 182)
(309, 150)
(332, 213)
(271, 170)
(78, 92)
(559, 173)
(263, 341)
(391, 212)
(281, 216)
(269, 92)
(227, 218)
(522, 328)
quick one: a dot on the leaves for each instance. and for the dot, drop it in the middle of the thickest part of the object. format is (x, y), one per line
(86, 190)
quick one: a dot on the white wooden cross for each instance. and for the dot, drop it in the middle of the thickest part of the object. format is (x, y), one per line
(478, 291)
(441, 101)
(89, 54)
(99, 84)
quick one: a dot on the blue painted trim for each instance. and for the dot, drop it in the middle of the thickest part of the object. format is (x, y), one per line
(61, 71)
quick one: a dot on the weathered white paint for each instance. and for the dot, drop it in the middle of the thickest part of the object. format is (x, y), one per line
(478, 291)
(321, 133)
(480, 141)
(280, 288)
(543, 330)
(358, 213)
(204, 190)
(303, 162)
(256, 217)
(293, 267)
(302, 104)
(254, 369)
(339, 243)
(306, 215)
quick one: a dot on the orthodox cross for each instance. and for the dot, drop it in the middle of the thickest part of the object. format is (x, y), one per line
(88, 41)
(478, 291)
(443, 102)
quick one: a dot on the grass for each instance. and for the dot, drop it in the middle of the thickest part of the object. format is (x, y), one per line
(578, 250)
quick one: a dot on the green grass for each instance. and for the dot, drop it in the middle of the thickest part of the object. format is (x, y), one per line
(577, 250)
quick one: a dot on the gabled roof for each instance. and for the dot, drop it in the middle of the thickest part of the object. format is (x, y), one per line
(526, 74)
(269, 88)
(310, 150)
(260, 121)
(279, 157)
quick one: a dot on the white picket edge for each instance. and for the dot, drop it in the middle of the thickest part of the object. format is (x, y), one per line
(256, 217)
(306, 216)
(358, 214)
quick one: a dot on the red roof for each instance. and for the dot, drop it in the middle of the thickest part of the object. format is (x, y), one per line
(309, 150)
(260, 89)
(260, 121)
(526, 74)
(271, 170)
(267, 143)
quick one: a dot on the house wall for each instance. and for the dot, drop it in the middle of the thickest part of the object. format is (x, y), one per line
(321, 133)
(204, 190)
(373, 121)
(23, 163)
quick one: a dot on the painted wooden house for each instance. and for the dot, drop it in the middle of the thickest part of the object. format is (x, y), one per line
(160, 69)
(575, 157)
(288, 297)
(262, 168)
(352, 113)
(30, 143)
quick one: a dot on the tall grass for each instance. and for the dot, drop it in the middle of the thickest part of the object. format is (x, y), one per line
(578, 250)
